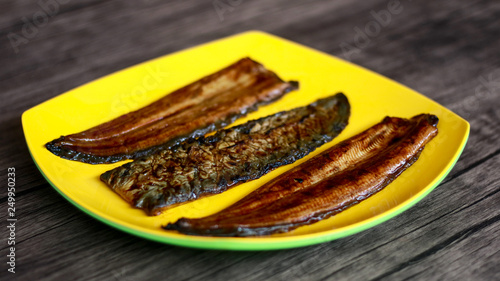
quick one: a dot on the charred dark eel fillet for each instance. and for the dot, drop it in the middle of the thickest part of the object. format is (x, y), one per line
(325, 185)
(194, 110)
(210, 165)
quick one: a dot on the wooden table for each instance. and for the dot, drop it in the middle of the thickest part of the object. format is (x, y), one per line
(447, 50)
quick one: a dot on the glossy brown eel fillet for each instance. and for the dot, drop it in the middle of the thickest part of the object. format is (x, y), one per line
(194, 110)
(210, 165)
(325, 185)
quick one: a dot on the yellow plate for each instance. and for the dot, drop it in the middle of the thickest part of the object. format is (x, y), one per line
(372, 97)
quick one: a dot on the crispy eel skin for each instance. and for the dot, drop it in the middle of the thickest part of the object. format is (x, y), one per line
(194, 110)
(211, 165)
(325, 185)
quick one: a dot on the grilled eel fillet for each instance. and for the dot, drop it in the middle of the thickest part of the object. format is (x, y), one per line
(210, 165)
(194, 110)
(340, 177)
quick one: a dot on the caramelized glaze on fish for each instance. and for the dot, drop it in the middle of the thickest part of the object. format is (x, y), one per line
(323, 186)
(194, 110)
(210, 165)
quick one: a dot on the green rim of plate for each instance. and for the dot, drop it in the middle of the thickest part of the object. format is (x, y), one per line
(277, 245)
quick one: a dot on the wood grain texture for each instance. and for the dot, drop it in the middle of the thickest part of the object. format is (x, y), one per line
(443, 49)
